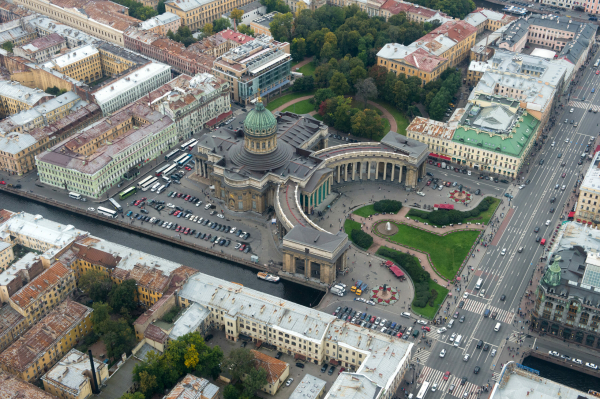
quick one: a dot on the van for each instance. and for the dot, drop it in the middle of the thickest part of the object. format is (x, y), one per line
(486, 313)
(451, 323)
(165, 178)
(479, 283)
(497, 328)
(457, 341)
(155, 187)
(405, 314)
(543, 242)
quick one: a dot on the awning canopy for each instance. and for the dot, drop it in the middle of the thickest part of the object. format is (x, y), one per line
(571, 214)
(396, 270)
(218, 119)
(445, 158)
(444, 206)
(389, 263)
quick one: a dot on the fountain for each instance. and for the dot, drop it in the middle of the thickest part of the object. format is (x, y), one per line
(387, 228)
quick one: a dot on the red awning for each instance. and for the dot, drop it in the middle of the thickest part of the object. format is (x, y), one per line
(589, 222)
(571, 214)
(219, 119)
(432, 154)
(389, 263)
(444, 206)
(396, 270)
(597, 149)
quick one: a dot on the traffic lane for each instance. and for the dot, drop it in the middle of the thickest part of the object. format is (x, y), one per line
(545, 345)
(472, 181)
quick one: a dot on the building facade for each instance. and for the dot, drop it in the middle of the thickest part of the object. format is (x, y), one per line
(81, 64)
(131, 87)
(15, 98)
(162, 24)
(132, 136)
(196, 13)
(42, 48)
(588, 205)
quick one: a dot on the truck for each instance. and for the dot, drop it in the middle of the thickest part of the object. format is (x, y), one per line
(362, 288)
(479, 283)
(356, 286)
(337, 291)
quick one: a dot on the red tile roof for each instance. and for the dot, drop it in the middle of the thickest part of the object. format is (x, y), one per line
(237, 37)
(154, 333)
(424, 61)
(273, 367)
(38, 285)
(455, 30)
(12, 387)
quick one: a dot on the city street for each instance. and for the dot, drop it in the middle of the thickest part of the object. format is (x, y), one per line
(509, 275)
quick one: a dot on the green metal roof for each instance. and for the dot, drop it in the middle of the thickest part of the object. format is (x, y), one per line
(260, 121)
(512, 143)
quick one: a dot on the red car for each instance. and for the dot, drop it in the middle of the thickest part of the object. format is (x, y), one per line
(373, 319)
(342, 370)
(563, 175)
(446, 375)
(429, 182)
(426, 328)
(188, 168)
(136, 203)
(179, 195)
(143, 199)
(3, 182)
(399, 335)
(187, 231)
(242, 247)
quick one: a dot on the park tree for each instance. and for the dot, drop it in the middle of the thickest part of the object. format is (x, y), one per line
(322, 95)
(135, 395)
(275, 5)
(191, 357)
(246, 30)
(221, 24)
(207, 29)
(231, 392)
(160, 8)
(305, 23)
(357, 74)
(123, 296)
(254, 380)
(100, 315)
(339, 84)
(239, 363)
(236, 14)
(367, 124)
(366, 90)
(401, 95)
(118, 337)
(147, 383)
(95, 284)
(298, 49)
(316, 40)
(281, 27)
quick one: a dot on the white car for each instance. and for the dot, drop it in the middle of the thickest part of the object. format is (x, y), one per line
(571, 111)
(198, 203)
(503, 252)
(220, 215)
(443, 353)
(169, 205)
(452, 337)
(466, 358)
(237, 246)
(442, 330)
(578, 361)
(233, 230)
(468, 173)
(434, 388)
(466, 295)
(289, 382)
(91, 209)
(423, 322)
(567, 140)
(592, 366)
(554, 353)
(493, 353)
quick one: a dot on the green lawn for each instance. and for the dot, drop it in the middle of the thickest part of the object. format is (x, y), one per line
(484, 217)
(350, 225)
(365, 211)
(302, 107)
(429, 311)
(308, 69)
(318, 117)
(446, 252)
(401, 120)
(288, 97)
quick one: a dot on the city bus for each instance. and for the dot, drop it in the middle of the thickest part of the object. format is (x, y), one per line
(170, 170)
(171, 155)
(75, 195)
(116, 205)
(597, 62)
(185, 160)
(158, 172)
(184, 156)
(107, 212)
(192, 145)
(423, 391)
(145, 180)
(127, 192)
(186, 146)
(149, 183)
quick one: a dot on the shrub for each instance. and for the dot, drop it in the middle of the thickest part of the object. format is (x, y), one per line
(443, 217)
(388, 206)
(362, 239)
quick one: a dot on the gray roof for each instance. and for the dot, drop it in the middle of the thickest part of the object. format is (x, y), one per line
(412, 148)
(314, 238)
(308, 388)
(17, 91)
(189, 321)
(514, 32)
(576, 48)
(354, 386)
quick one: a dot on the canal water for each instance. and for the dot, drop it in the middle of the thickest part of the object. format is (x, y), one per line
(215, 267)
(563, 375)
(488, 5)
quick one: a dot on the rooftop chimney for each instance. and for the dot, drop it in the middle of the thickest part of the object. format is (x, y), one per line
(95, 389)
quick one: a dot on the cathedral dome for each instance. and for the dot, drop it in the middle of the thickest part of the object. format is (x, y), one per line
(260, 121)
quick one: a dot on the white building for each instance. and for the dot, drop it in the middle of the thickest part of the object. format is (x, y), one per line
(132, 86)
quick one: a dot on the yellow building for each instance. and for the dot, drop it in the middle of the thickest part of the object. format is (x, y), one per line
(195, 13)
(475, 72)
(15, 98)
(277, 371)
(261, 25)
(588, 202)
(115, 60)
(36, 351)
(12, 325)
(11, 384)
(82, 64)
(71, 377)
(42, 294)
(6, 255)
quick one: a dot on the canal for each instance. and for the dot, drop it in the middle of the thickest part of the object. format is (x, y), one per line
(488, 5)
(563, 375)
(215, 267)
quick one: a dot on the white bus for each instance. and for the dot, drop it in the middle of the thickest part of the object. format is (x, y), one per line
(180, 159)
(107, 212)
(154, 187)
(423, 391)
(160, 189)
(149, 183)
(75, 195)
(597, 62)
(171, 154)
(189, 145)
(116, 205)
(145, 180)
(457, 341)
(170, 170)
(479, 283)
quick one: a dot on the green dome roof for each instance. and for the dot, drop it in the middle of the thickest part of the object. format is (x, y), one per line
(260, 121)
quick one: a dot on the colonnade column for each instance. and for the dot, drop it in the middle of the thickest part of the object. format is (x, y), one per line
(368, 170)
(354, 166)
(384, 170)
(392, 175)
(346, 172)
(339, 168)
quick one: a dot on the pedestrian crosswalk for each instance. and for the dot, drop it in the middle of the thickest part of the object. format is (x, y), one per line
(459, 390)
(581, 104)
(422, 355)
(515, 336)
(496, 377)
(432, 376)
(479, 307)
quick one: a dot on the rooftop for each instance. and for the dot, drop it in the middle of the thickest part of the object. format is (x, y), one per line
(105, 12)
(12, 387)
(192, 387)
(18, 267)
(46, 24)
(188, 5)
(189, 321)
(431, 128)
(9, 318)
(265, 20)
(478, 66)
(44, 334)
(274, 367)
(129, 81)
(42, 43)
(159, 20)
(308, 388)
(38, 286)
(308, 237)
(234, 36)
(21, 93)
(591, 181)
(72, 371)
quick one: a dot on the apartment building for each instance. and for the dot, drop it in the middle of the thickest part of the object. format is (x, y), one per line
(42, 294)
(82, 64)
(437, 135)
(258, 68)
(195, 13)
(10, 384)
(193, 103)
(277, 371)
(193, 387)
(7, 255)
(588, 205)
(131, 137)
(42, 48)
(102, 19)
(294, 329)
(413, 12)
(116, 60)
(131, 87)
(19, 274)
(10, 12)
(170, 52)
(18, 32)
(15, 98)
(475, 72)
(261, 25)
(18, 149)
(12, 325)
(46, 342)
(74, 37)
(220, 43)
(483, 19)
(254, 10)
(71, 377)
(162, 24)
